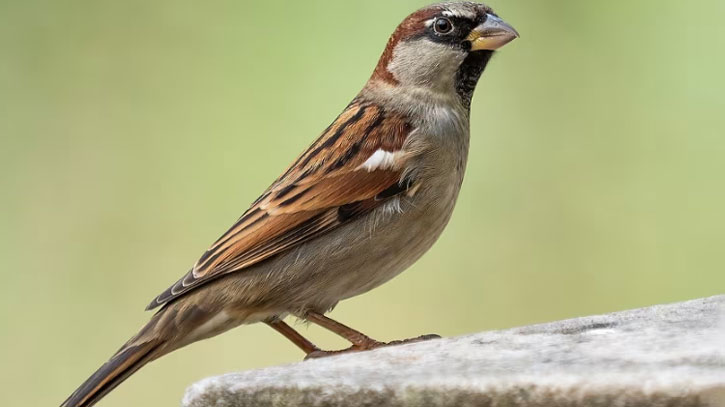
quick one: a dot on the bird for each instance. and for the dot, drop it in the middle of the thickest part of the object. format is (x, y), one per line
(365, 201)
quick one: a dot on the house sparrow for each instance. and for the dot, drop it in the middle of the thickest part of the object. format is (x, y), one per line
(359, 206)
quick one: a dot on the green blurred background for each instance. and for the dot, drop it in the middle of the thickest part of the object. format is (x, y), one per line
(133, 133)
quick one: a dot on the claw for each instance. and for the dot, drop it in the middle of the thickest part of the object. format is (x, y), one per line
(317, 354)
(414, 340)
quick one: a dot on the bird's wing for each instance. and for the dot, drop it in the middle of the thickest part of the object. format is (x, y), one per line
(352, 168)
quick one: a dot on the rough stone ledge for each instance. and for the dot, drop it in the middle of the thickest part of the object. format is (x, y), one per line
(666, 355)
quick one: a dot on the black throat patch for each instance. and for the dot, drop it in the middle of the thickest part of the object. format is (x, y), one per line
(468, 74)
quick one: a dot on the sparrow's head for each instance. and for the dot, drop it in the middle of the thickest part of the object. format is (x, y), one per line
(444, 47)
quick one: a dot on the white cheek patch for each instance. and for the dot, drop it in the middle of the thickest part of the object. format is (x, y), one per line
(381, 160)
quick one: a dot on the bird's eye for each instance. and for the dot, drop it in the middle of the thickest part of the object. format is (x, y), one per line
(442, 26)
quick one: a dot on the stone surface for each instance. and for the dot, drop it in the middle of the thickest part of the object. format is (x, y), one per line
(666, 355)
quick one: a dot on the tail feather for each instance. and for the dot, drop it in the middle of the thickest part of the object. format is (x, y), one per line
(123, 364)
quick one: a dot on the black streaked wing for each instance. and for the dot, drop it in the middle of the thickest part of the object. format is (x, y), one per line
(324, 188)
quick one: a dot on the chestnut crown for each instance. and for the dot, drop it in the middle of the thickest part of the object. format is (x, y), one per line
(443, 47)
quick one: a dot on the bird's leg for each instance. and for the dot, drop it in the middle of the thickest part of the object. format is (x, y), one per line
(359, 340)
(294, 336)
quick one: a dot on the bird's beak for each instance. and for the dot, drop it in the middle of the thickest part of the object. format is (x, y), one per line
(493, 34)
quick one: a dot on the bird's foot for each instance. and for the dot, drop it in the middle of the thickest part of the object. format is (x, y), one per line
(413, 340)
(317, 354)
(368, 345)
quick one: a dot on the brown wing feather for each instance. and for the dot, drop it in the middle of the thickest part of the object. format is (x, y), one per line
(323, 189)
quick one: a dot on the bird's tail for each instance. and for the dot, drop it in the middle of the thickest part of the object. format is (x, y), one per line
(131, 357)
